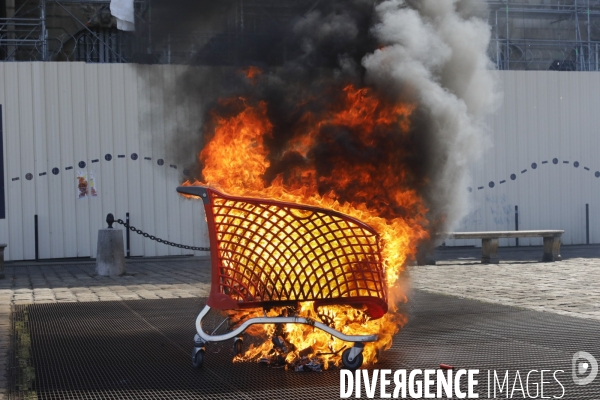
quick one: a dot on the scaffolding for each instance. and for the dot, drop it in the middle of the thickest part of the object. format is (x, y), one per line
(559, 35)
(562, 35)
(84, 30)
(66, 30)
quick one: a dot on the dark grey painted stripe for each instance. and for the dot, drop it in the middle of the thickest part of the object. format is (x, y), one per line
(2, 200)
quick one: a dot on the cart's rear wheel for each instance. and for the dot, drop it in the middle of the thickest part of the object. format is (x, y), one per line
(354, 364)
(198, 359)
(238, 347)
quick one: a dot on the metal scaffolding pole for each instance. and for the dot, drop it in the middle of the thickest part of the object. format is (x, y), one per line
(43, 34)
(589, 37)
(536, 34)
(507, 57)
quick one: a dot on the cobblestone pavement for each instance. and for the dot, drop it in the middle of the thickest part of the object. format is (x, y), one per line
(569, 287)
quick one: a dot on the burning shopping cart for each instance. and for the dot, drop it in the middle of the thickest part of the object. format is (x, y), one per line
(268, 254)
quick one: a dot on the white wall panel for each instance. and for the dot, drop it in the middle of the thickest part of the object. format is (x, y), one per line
(92, 100)
(173, 200)
(104, 171)
(544, 116)
(119, 140)
(56, 115)
(60, 183)
(158, 113)
(26, 137)
(63, 115)
(79, 209)
(45, 130)
(132, 132)
(15, 180)
(147, 176)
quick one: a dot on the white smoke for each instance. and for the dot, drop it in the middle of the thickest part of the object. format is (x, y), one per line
(436, 51)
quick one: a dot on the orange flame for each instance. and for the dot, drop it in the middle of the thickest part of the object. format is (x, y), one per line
(236, 160)
(252, 72)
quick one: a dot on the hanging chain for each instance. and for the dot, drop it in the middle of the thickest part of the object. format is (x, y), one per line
(159, 240)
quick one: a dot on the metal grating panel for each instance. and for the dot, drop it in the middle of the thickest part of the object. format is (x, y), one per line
(141, 349)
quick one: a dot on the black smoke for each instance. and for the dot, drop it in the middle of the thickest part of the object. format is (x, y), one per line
(310, 52)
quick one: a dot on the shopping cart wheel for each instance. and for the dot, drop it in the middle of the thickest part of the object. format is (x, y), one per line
(238, 347)
(356, 361)
(198, 359)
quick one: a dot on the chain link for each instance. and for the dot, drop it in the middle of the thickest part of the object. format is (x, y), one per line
(159, 240)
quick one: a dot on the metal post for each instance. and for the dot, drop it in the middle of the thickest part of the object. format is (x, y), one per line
(43, 35)
(35, 237)
(507, 55)
(149, 47)
(587, 224)
(589, 39)
(517, 222)
(497, 44)
(579, 48)
(127, 234)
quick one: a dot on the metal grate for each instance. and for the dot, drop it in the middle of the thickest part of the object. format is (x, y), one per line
(141, 350)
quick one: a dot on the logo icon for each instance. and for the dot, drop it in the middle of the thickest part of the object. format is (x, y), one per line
(585, 368)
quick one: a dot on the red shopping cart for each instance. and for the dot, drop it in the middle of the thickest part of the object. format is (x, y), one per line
(268, 253)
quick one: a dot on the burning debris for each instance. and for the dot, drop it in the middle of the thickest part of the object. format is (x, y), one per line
(376, 114)
(304, 361)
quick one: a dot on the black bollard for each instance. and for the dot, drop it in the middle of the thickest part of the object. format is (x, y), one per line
(110, 219)
(127, 235)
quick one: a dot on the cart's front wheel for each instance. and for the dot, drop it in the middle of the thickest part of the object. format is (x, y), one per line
(198, 359)
(354, 364)
(238, 347)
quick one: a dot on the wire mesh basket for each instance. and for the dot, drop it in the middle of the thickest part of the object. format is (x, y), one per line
(267, 253)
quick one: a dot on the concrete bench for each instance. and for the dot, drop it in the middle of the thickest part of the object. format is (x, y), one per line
(489, 242)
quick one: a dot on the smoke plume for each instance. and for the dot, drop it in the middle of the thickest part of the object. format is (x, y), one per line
(436, 50)
(428, 55)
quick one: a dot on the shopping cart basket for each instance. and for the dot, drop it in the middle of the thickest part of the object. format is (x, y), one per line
(268, 253)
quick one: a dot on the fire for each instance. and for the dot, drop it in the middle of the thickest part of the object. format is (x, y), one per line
(252, 72)
(238, 160)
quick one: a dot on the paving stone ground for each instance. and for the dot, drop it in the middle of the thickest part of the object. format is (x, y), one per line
(570, 287)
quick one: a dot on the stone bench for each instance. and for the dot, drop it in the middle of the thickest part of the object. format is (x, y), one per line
(489, 242)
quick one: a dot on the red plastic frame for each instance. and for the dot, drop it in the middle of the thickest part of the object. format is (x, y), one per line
(269, 253)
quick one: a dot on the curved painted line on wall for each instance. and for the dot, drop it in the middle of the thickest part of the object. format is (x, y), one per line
(107, 158)
(134, 157)
(534, 166)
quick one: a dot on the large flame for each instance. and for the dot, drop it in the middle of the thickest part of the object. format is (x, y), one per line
(236, 160)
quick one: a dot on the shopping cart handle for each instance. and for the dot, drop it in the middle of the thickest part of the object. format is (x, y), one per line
(199, 191)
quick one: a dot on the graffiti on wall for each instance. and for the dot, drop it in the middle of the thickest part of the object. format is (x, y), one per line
(497, 210)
